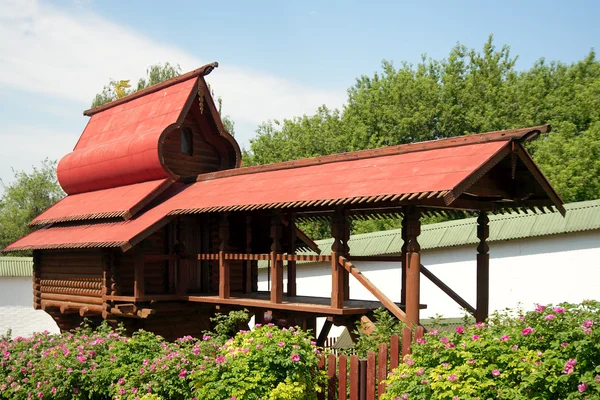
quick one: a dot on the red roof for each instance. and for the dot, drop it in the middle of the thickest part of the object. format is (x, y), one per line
(123, 201)
(119, 145)
(426, 171)
(123, 234)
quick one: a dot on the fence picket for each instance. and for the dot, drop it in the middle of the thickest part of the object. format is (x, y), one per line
(342, 377)
(354, 378)
(394, 352)
(371, 375)
(406, 341)
(382, 359)
(331, 377)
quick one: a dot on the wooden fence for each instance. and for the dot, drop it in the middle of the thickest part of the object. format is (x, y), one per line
(353, 378)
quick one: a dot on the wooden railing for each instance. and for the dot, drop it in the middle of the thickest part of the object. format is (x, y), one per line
(353, 378)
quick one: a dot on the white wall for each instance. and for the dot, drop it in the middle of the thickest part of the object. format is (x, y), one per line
(16, 309)
(547, 269)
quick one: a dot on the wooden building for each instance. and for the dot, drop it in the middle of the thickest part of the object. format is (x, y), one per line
(162, 227)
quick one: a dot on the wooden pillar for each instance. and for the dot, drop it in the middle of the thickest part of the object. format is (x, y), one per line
(138, 273)
(247, 272)
(404, 262)
(483, 268)
(276, 265)
(337, 271)
(107, 262)
(224, 282)
(346, 252)
(291, 265)
(205, 249)
(413, 263)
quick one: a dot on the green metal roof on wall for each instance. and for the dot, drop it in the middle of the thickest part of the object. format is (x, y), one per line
(16, 266)
(581, 216)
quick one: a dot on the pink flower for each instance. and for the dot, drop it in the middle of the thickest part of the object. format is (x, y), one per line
(588, 323)
(420, 372)
(459, 330)
(182, 374)
(421, 341)
(280, 344)
(475, 337)
(40, 395)
(269, 335)
(505, 338)
(53, 390)
(75, 390)
(550, 317)
(540, 308)
(121, 381)
(450, 345)
(404, 396)
(295, 357)
(433, 332)
(559, 310)
(258, 346)
(583, 387)
(452, 378)
(570, 366)
(496, 372)
(220, 360)
(527, 331)
(597, 378)
(564, 344)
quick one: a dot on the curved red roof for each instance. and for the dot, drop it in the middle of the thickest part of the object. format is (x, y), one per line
(119, 145)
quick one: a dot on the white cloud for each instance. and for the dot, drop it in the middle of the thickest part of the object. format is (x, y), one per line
(70, 54)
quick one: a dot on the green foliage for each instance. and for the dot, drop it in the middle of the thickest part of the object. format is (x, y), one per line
(226, 325)
(468, 92)
(25, 198)
(265, 363)
(385, 325)
(549, 353)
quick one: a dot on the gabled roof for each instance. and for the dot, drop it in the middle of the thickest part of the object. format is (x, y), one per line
(432, 174)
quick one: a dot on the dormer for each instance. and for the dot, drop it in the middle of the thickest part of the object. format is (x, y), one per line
(169, 130)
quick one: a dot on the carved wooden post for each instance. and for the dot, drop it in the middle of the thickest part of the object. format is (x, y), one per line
(404, 261)
(483, 268)
(291, 264)
(337, 271)
(276, 265)
(247, 272)
(413, 263)
(224, 284)
(346, 251)
(37, 287)
(138, 274)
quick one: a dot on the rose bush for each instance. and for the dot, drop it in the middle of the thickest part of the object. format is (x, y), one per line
(552, 352)
(267, 362)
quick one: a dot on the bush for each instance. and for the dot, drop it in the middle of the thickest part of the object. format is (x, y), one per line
(103, 364)
(549, 353)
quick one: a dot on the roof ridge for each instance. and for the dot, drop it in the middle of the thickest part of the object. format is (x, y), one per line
(202, 71)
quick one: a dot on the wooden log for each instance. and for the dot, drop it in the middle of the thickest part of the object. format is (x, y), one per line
(71, 298)
(70, 291)
(71, 305)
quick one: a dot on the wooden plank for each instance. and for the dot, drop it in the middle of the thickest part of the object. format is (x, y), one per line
(382, 361)
(394, 352)
(389, 304)
(342, 377)
(446, 289)
(371, 375)
(331, 377)
(354, 377)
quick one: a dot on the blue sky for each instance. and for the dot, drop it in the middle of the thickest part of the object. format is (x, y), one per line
(277, 59)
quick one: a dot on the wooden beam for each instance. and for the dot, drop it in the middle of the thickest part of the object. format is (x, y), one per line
(413, 264)
(379, 295)
(376, 258)
(446, 289)
(483, 268)
(337, 249)
(324, 332)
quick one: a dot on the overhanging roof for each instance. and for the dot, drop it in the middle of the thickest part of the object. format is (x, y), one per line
(120, 202)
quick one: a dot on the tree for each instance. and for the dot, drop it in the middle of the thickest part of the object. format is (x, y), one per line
(468, 92)
(25, 198)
